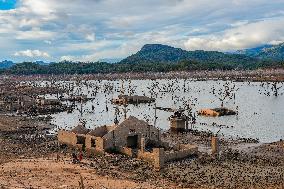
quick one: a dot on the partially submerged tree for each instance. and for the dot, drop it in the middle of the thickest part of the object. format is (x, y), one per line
(188, 106)
(272, 88)
(225, 92)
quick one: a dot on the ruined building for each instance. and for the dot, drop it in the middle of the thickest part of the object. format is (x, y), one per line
(133, 137)
(135, 99)
(178, 122)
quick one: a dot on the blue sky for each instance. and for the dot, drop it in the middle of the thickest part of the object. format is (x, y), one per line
(89, 30)
(7, 4)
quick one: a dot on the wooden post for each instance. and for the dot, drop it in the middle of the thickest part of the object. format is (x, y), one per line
(215, 146)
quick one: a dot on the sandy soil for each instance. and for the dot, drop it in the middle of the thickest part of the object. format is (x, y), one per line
(43, 173)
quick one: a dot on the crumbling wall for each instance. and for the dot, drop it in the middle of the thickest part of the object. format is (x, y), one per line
(109, 140)
(88, 141)
(126, 151)
(185, 151)
(99, 131)
(118, 137)
(67, 137)
(94, 145)
(100, 144)
(156, 157)
(148, 156)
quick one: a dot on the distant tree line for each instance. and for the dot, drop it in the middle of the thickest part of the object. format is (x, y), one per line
(67, 67)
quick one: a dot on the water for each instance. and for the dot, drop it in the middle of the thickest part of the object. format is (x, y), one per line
(259, 116)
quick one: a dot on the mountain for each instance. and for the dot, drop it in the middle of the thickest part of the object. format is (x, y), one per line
(253, 51)
(6, 64)
(265, 52)
(39, 62)
(110, 60)
(157, 53)
(275, 52)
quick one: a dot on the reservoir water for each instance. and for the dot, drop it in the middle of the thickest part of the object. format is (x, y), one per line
(259, 116)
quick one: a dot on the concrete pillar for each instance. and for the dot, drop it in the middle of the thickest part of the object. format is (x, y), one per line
(215, 146)
(159, 158)
(100, 144)
(142, 145)
(186, 125)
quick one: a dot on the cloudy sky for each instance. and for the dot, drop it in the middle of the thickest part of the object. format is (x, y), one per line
(89, 30)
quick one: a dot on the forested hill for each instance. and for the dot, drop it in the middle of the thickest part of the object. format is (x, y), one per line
(156, 53)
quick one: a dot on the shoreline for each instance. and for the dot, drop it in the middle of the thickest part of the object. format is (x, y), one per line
(260, 75)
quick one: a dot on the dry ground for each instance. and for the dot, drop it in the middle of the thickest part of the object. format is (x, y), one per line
(43, 173)
(28, 160)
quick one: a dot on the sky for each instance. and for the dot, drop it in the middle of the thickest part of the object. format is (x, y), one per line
(90, 30)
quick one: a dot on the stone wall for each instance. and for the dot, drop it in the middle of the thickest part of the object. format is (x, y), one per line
(159, 156)
(118, 137)
(99, 131)
(100, 144)
(67, 137)
(126, 151)
(156, 157)
(185, 151)
(89, 141)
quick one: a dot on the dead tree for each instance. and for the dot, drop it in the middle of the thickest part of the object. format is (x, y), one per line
(189, 105)
(225, 92)
(272, 88)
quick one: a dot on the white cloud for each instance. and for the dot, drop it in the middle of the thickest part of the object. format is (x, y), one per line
(90, 37)
(244, 36)
(32, 53)
(39, 7)
(47, 42)
(118, 52)
(94, 29)
(67, 58)
(33, 34)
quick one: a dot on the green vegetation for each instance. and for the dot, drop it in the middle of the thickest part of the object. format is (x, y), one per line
(28, 68)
